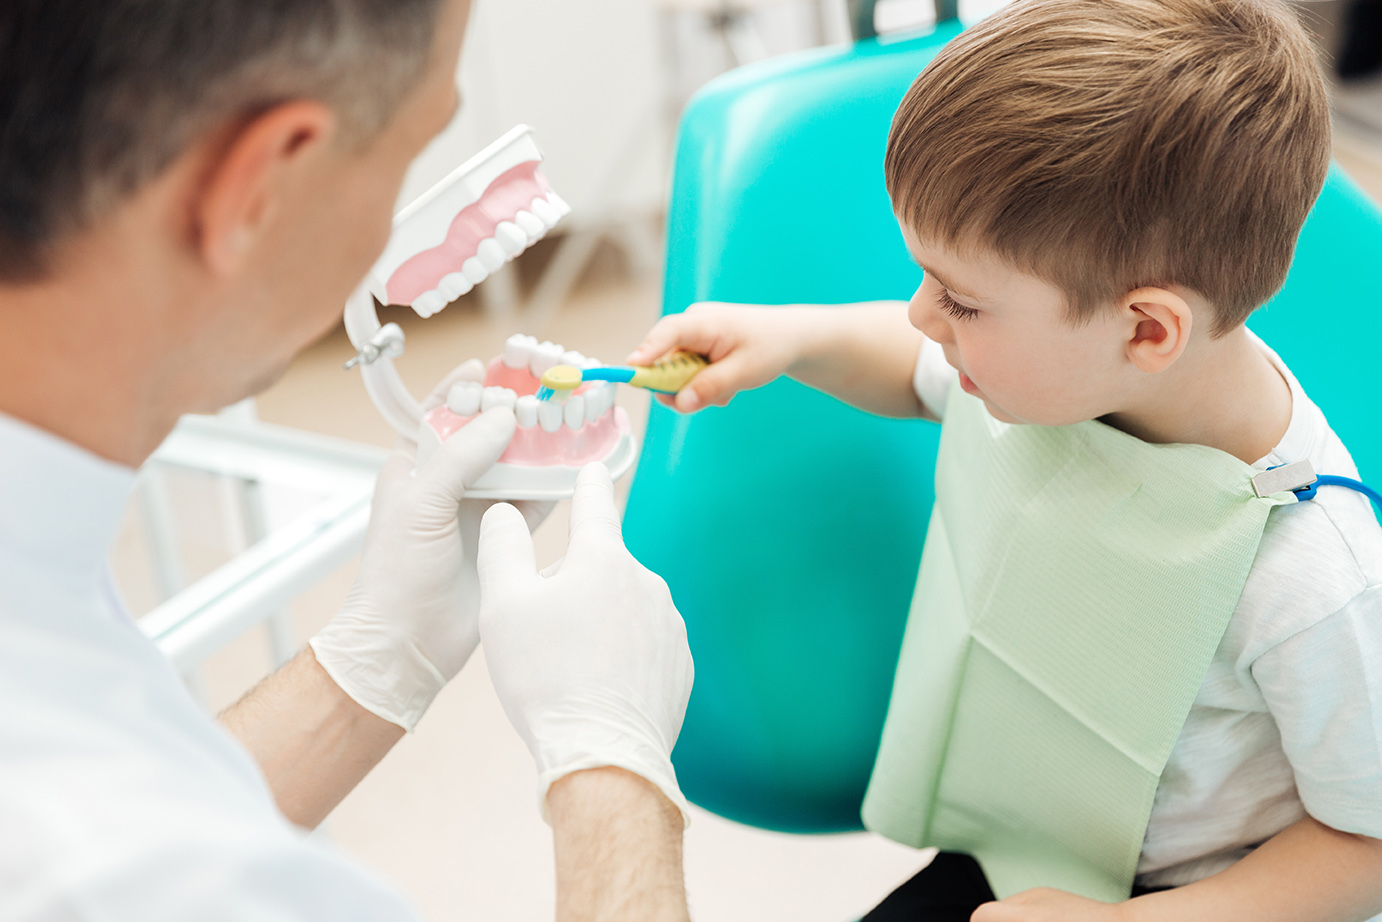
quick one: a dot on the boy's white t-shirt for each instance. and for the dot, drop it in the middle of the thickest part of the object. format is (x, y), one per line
(1288, 720)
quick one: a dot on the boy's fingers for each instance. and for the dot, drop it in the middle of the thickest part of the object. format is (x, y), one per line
(661, 339)
(693, 332)
(714, 384)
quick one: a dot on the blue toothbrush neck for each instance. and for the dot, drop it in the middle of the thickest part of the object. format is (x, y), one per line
(620, 373)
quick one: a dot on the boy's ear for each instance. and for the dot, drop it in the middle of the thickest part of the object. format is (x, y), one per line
(247, 180)
(1159, 327)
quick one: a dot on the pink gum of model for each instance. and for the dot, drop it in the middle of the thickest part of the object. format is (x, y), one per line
(534, 446)
(510, 193)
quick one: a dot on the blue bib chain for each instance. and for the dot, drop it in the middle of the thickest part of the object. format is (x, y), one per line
(1300, 478)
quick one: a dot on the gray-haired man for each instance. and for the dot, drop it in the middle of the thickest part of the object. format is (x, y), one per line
(188, 192)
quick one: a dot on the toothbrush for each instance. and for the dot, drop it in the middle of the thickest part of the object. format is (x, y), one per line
(665, 377)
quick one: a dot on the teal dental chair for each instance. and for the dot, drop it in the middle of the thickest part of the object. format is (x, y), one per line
(790, 526)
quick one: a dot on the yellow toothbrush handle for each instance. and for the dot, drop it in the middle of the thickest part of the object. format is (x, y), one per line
(671, 374)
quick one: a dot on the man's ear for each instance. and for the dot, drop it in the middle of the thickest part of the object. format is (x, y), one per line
(247, 179)
(1159, 328)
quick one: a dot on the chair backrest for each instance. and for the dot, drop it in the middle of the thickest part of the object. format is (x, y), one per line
(1326, 322)
(790, 526)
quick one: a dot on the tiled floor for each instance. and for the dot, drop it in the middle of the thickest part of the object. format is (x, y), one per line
(450, 813)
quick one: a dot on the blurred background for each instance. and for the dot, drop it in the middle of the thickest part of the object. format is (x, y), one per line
(450, 815)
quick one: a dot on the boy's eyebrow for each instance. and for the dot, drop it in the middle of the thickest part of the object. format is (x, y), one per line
(949, 287)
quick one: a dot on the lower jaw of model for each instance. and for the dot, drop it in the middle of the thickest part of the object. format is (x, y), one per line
(553, 441)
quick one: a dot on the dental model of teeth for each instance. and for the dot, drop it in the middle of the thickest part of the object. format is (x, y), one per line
(553, 440)
(463, 230)
(486, 212)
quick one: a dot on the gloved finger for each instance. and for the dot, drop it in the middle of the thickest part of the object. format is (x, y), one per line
(464, 456)
(470, 370)
(407, 448)
(594, 518)
(393, 478)
(535, 511)
(505, 556)
(552, 569)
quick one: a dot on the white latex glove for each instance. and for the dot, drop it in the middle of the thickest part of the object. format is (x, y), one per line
(410, 621)
(589, 658)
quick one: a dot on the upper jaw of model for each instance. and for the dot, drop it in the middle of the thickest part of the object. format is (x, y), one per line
(469, 225)
(484, 213)
(553, 440)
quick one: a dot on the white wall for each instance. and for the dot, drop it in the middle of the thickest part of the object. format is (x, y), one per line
(588, 75)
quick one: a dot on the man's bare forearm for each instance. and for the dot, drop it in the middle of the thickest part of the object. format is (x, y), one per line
(1306, 873)
(312, 741)
(864, 354)
(618, 849)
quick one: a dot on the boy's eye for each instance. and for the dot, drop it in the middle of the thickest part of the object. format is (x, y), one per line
(954, 309)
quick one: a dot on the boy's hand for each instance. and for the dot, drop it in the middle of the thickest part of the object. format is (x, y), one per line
(1046, 905)
(747, 346)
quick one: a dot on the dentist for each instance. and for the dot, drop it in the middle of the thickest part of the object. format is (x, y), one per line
(188, 193)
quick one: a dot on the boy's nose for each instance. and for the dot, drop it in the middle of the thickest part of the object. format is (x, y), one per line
(927, 317)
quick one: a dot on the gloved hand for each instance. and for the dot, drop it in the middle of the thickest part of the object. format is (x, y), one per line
(589, 657)
(410, 622)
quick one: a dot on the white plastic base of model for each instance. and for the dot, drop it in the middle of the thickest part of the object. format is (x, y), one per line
(539, 482)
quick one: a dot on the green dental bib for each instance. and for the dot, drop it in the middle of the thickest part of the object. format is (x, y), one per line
(1075, 584)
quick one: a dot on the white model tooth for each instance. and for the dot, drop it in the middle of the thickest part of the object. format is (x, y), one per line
(474, 270)
(544, 356)
(530, 224)
(559, 204)
(492, 397)
(607, 395)
(545, 212)
(574, 411)
(429, 303)
(591, 363)
(593, 398)
(464, 398)
(549, 415)
(526, 411)
(574, 359)
(511, 238)
(517, 350)
(491, 254)
(454, 285)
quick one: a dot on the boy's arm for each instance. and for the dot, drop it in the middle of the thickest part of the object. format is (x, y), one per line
(1308, 872)
(864, 354)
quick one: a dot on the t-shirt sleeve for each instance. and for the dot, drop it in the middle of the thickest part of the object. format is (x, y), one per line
(1323, 687)
(933, 377)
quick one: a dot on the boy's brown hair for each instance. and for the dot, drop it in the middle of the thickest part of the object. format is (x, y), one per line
(1104, 145)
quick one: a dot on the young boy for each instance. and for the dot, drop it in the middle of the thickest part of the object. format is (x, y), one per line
(1126, 672)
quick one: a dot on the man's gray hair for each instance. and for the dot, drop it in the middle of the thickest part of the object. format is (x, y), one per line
(97, 97)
